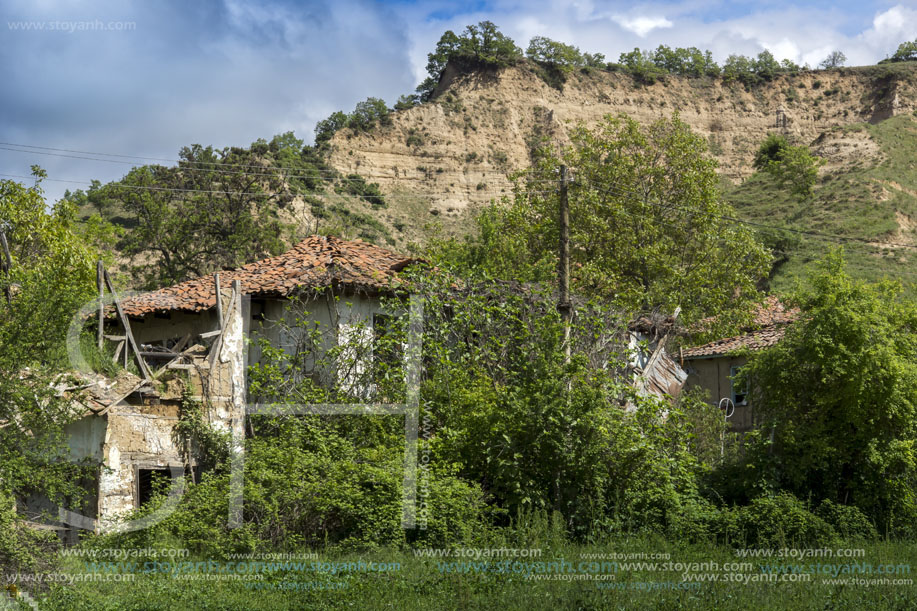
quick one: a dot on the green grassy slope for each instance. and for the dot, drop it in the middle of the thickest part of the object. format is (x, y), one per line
(867, 200)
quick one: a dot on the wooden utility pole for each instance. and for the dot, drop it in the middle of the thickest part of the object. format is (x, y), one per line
(6, 265)
(563, 276)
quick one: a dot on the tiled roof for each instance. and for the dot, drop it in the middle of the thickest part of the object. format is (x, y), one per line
(773, 312)
(768, 328)
(756, 340)
(317, 261)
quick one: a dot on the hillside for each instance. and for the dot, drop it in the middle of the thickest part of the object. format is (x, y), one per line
(435, 160)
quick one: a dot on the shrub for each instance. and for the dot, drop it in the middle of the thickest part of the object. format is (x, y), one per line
(841, 391)
(779, 520)
(847, 520)
(354, 184)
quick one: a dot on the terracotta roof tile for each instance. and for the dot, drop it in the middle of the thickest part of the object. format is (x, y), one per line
(756, 340)
(768, 327)
(317, 261)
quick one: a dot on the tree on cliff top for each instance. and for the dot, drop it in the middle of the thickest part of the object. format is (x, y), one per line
(481, 45)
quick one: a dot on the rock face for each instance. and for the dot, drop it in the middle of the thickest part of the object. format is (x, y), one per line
(460, 148)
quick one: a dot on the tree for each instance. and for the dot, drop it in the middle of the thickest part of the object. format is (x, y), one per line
(765, 66)
(906, 52)
(51, 274)
(789, 165)
(835, 59)
(641, 66)
(407, 101)
(481, 45)
(217, 209)
(739, 68)
(839, 393)
(543, 49)
(326, 128)
(648, 228)
(368, 113)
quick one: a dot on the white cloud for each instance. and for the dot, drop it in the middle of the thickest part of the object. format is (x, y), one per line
(641, 26)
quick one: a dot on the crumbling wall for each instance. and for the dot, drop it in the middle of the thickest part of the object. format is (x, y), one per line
(138, 436)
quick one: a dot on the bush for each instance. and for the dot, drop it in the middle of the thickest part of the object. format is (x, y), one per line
(354, 184)
(778, 520)
(841, 398)
(847, 520)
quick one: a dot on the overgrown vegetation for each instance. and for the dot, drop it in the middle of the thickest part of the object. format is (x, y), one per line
(647, 231)
(838, 394)
(51, 273)
(367, 115)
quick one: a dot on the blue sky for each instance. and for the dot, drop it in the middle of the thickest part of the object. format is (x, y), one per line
(148, 77)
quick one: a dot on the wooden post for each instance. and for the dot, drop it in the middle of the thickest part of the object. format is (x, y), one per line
(144, 370)
(563, 276)
(219, 299)
(100, 284)
(6, 266)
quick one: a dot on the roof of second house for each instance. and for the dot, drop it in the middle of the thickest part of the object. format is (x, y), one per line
(316, 262)
(768, 328)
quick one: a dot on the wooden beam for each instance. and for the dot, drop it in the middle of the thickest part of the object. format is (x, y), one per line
(100, 285)
(127, 328)
(219, 299)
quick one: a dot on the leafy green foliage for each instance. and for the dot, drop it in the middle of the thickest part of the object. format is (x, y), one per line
(839, 394)
(212, 211)
(365, 116)
(647, 224)
(686, 62)
(354, 184)
(478, 46)
(906, 52)
(777, 521)
(51, 274)
(641, 65)
(567, 57)
(789, 165)
(835, 59)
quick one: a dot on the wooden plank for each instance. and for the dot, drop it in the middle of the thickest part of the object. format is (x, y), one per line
(118, 350)
(127, 327)
(219, 299)
(176, 350)
(100, 285)
(211, 333)
(115, 338)
(179, 366)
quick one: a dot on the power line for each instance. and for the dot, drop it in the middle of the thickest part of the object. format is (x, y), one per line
(184, 163)
(174, 189)
(808, 232)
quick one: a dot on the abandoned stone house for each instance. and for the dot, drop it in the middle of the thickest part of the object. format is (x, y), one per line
(713, 366)
(199, 327)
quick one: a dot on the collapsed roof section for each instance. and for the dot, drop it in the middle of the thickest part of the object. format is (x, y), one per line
(768, 328)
